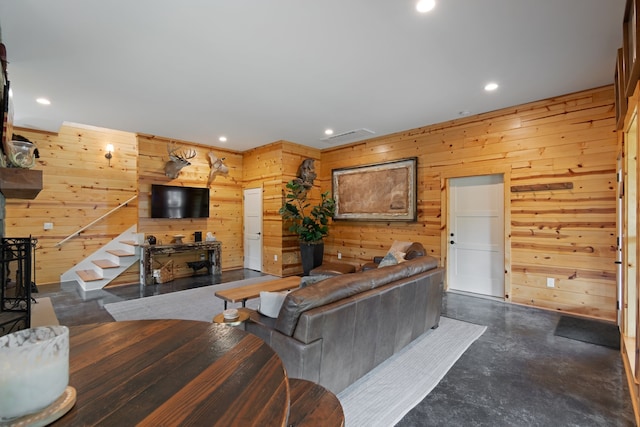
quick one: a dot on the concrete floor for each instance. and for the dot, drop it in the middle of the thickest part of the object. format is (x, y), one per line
(516, 374)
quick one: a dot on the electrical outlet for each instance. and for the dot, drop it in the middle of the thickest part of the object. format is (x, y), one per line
(339, 255)
(275, 257)
(551, 282)
(48, 226)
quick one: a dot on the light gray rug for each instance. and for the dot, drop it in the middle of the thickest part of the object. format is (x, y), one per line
(380, 398)
(191, 304)
(386, 394)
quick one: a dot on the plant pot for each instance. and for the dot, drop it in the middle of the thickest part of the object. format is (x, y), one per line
(311, 255)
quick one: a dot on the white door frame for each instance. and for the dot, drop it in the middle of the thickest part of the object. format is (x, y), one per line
(252, 239)
(444, 217)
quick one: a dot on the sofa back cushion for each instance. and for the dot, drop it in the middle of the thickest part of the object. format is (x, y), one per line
(343, 286)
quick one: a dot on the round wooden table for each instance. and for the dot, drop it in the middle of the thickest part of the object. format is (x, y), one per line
(174, 372)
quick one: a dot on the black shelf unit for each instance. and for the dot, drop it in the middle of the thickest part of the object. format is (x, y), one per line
(16, 256)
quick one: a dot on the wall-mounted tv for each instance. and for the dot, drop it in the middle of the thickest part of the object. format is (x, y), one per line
(179, 202)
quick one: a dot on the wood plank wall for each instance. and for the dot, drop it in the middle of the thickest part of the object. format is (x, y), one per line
(78, 187)
(270, 167)
(225, 209)
(568, 234)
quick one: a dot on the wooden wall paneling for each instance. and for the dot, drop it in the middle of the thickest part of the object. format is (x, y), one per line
(225, 209)
(566, 138)
(79, 186)
(263, 168)
(292, 157)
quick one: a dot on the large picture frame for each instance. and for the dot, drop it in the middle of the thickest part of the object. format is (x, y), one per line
(630, 46)
(377, 192)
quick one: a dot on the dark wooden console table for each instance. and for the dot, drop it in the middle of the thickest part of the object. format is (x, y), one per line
(174, 372)
(214, 253)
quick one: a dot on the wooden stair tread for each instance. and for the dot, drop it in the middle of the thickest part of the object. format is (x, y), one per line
(120, 252)
(105, 263)
(130, 242)
(88, 275)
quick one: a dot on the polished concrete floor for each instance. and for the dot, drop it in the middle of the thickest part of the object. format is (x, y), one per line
(518, 373)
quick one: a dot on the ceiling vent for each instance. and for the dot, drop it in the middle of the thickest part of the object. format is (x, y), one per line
(349, 136)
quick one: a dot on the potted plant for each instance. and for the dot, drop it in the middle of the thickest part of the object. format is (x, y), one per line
(310, 223)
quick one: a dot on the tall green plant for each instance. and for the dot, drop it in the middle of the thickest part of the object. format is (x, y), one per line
(310, 223)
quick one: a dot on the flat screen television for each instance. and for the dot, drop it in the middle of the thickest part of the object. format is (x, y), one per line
(179, 202)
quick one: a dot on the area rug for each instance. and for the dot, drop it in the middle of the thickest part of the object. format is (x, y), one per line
(42, 313)
(191, 304)
(393, 388)
(589, 330)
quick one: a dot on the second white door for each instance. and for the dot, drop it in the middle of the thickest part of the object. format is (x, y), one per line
(476, 235)
(253, 229)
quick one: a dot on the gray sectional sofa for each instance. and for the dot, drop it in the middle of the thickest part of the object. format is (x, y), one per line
(335, 331)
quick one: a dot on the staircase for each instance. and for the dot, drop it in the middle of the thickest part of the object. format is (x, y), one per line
(100, 268)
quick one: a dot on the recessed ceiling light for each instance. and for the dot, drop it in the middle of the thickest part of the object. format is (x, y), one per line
(491, 87)
(424, 6)
(43, 101)
(464, 113)
(222, 139)
(328, 132)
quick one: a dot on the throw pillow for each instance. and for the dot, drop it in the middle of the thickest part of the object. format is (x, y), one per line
(415, 250)
(399, 246)
(270, 303)
(388, 259)
(399, 256)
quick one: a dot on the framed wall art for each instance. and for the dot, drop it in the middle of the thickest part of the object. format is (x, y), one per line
(630, 46)
(378, 192)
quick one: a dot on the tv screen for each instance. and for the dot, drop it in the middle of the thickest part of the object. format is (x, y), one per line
(179, 202)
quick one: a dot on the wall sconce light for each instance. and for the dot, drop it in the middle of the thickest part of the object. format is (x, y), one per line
(109, 154)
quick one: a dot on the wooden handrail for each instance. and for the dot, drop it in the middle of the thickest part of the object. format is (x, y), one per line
(77, 233)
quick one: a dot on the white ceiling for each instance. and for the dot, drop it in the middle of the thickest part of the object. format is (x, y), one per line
(258, 71)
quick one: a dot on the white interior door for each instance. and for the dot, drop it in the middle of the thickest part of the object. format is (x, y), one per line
(476, 235)
(253, 228)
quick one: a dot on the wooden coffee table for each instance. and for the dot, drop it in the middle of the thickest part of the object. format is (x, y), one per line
(243, 293)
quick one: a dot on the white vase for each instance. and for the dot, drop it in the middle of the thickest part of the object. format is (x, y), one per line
(34, 369)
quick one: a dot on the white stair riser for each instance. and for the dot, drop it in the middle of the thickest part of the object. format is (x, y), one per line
(107, 274)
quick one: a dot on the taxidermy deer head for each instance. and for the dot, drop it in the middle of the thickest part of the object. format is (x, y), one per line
(217, 167)
(177, 160)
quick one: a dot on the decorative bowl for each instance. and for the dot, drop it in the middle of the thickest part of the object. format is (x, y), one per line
(34, 369)
(21, 153)
(230, 314)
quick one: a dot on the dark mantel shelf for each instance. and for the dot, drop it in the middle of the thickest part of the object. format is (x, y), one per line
(18, 183)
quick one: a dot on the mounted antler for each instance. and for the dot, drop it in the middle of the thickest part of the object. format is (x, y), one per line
(177, 160)
(217, 167)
